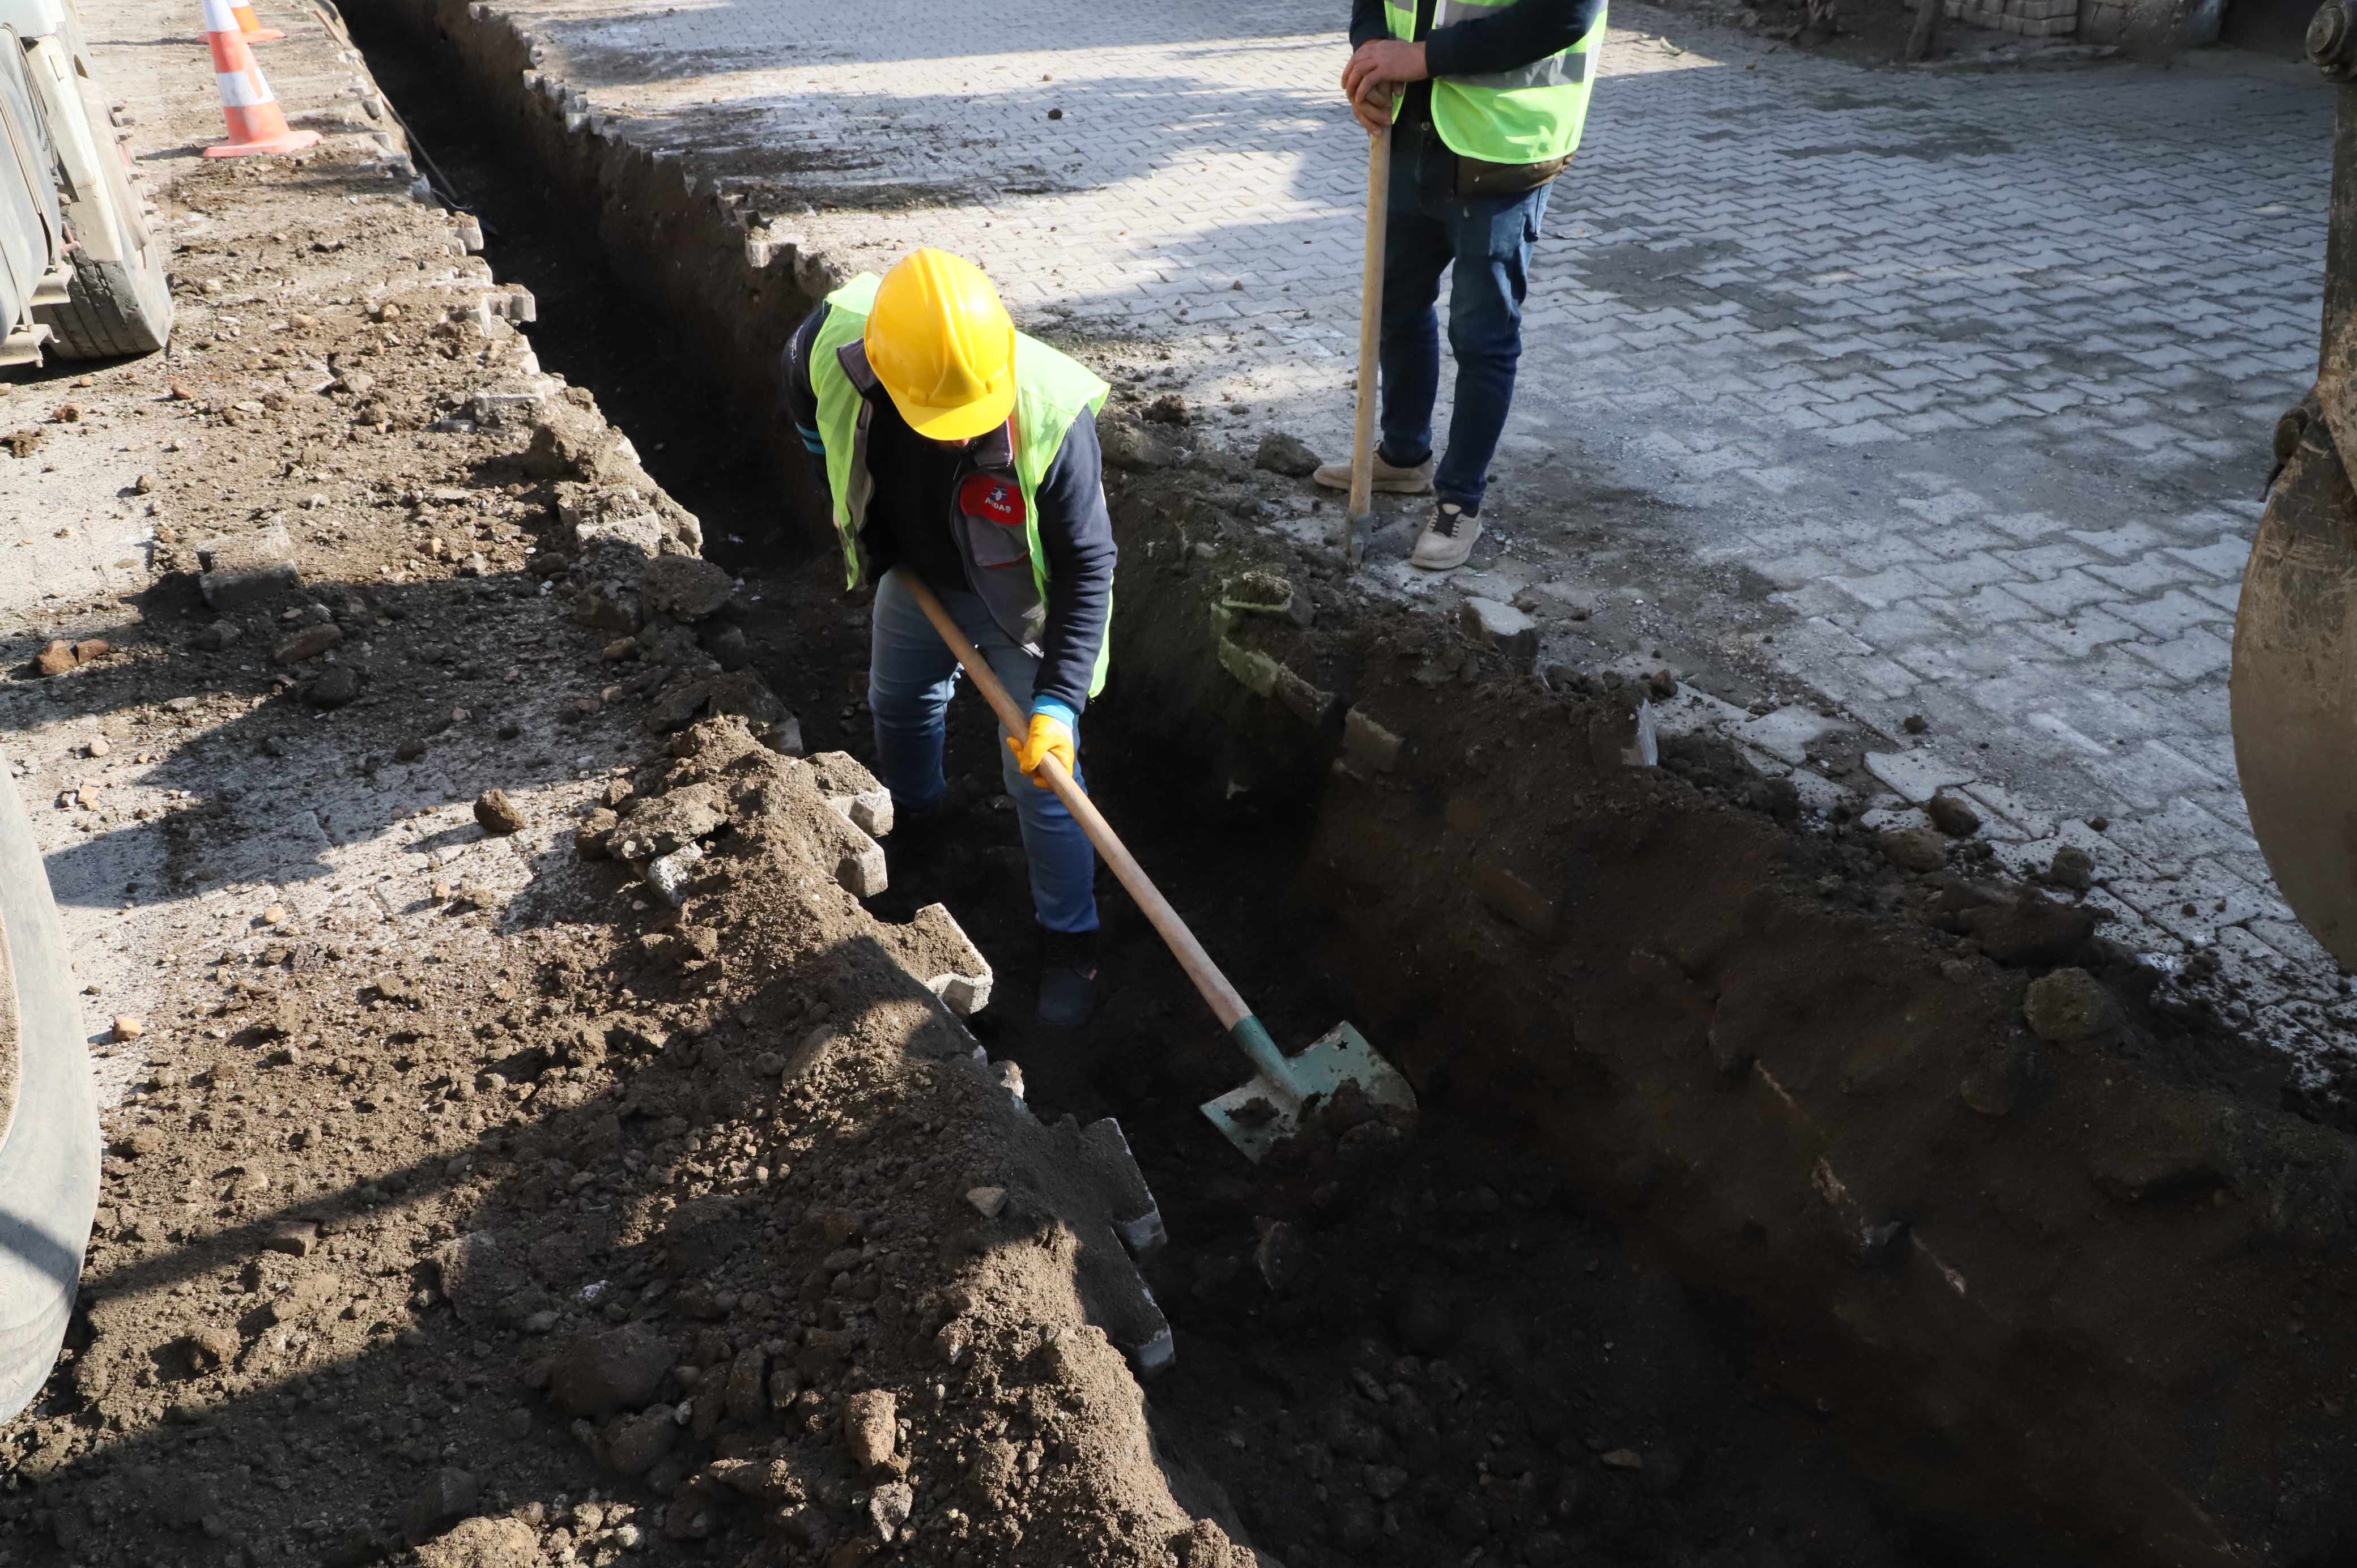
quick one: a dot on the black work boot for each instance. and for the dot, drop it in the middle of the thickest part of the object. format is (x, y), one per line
(1067, 977)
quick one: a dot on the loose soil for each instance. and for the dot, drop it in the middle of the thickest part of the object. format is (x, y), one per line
(531, 1219)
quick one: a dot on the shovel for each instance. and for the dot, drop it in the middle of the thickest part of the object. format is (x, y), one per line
(1371, 316)
(1268, 1108)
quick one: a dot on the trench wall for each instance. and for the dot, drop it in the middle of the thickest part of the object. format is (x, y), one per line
(675, 239)
(2044, 1318)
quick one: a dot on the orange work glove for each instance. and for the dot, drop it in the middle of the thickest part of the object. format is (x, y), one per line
(1049, 737)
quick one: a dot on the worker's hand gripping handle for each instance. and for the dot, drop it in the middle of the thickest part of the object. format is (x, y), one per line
(1215, 986)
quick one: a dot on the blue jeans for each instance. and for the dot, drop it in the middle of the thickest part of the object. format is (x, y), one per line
(1489, 238)
(911, 674)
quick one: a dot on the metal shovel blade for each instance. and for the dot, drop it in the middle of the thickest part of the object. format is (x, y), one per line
(1264, 1113)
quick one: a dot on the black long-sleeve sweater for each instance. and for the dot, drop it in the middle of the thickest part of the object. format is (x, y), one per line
(916, 493)
(1507, 40)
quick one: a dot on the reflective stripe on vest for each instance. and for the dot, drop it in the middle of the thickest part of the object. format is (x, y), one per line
(1051, 391)
(1531, 114)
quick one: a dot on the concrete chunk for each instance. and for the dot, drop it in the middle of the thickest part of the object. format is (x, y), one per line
(245, 569)
(308, 643)
(670, 876)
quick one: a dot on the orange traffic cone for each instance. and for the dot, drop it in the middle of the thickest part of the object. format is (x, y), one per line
(251, 24)
(256, 124)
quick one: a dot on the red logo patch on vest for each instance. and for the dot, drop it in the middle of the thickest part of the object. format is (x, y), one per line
(995, 499)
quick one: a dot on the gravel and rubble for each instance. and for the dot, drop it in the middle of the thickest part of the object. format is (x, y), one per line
(557, 1120)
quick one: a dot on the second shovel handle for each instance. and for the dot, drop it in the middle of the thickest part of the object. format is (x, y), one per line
(1370, 315)
(1215, 986)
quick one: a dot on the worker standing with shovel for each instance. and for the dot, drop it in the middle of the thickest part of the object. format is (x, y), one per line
(1484, 103)
(962, 454)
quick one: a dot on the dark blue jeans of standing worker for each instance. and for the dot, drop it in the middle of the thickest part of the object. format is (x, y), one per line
(1489, 238)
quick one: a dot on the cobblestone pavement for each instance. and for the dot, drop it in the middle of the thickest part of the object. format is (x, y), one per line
(1930, 393)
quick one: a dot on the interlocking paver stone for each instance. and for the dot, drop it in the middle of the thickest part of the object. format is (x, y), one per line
(1977, 369)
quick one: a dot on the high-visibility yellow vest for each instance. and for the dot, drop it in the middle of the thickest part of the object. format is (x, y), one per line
(1529, 115)
(1051, 391)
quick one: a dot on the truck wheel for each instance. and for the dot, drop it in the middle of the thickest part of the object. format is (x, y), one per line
(112, 308)
(118, 301)
(49, 1119)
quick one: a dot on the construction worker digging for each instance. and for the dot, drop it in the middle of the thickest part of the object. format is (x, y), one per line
(1485, 103)
(963, 451)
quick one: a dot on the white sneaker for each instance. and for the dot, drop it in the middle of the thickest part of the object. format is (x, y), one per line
(1416, 481)
(1447, 538)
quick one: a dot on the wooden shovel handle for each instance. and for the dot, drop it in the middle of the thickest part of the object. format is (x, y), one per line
(1189, 953)
(1371, 316)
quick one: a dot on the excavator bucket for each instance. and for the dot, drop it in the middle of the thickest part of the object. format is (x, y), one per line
(2294, 691)
(2294, 680)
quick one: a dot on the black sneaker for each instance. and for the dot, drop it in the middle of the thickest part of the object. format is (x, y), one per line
(1067, 977)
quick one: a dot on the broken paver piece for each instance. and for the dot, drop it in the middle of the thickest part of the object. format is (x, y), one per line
(857, 795)
(1368, 747)
(1505, 893)
(1788, 733)
(1917, 775)
(987, 1201)
(1627, 738)
(935, 951)
(296, 1238)
(1508, 629)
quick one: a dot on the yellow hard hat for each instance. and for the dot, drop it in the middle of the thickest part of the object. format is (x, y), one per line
(939, 340)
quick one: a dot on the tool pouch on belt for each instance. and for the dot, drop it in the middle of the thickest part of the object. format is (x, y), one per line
(1475, 177)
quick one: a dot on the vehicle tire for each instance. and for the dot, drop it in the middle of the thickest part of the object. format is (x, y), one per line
(112, 308)
(49, 1119)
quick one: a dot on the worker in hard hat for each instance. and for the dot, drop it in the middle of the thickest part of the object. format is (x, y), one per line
(1485, 101)
(966, 451)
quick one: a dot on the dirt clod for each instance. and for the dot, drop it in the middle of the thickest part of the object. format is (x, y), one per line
(496, 813)
(1952, 816)
(1916, 849)
(2071, 1006)
(869, 1433)
(481, 1542)
(1280, 452)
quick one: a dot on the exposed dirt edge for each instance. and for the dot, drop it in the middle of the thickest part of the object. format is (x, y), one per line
(2042, 1286)
(682, 247)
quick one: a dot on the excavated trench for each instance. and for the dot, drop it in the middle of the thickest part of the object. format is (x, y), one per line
(1744, 1221)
